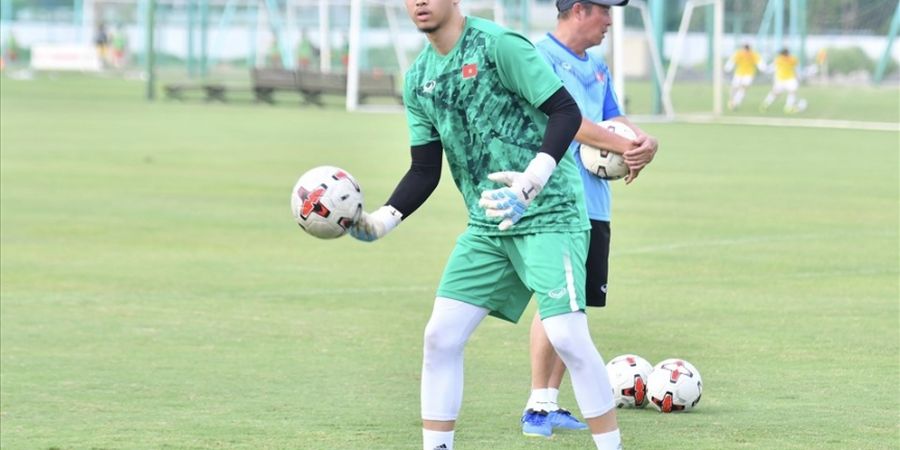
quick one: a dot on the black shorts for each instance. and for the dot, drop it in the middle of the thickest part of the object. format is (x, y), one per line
(597, 264)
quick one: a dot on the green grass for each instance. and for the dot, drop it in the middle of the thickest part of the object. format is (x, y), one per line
(836, 102)
(156, 294)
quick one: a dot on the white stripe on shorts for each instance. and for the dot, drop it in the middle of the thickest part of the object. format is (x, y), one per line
(570, 283)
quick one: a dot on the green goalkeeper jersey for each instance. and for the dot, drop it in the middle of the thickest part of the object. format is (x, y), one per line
(481, 102)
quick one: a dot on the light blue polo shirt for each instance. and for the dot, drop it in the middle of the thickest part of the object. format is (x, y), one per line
(588, 81)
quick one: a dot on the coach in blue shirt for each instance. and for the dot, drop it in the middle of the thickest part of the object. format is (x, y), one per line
(582, 24)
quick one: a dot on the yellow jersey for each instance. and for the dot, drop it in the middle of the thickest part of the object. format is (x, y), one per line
(785, 67)
(745, 62)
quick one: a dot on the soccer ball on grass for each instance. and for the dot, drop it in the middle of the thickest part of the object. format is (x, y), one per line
(674, 385)
(628, 377)
(326, 201)
(604, 163)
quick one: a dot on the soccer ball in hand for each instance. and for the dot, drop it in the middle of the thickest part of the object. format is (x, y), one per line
(674, 385)
(628, 377)
(325, 201)
(604, 163)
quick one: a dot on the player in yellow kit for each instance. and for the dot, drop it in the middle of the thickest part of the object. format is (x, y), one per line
(786, 81)
(744, 62)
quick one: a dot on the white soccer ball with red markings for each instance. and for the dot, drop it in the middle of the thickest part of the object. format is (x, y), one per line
(604, 163)
(325, 201)
(674, 385)
(628, 377)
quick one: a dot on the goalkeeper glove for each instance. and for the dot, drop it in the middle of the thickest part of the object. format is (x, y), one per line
(370, 227)
(510, 202)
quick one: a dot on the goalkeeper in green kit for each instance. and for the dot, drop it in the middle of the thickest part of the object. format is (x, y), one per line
(484, 97)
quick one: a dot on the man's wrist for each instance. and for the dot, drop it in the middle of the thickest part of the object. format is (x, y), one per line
(539, 169)
(389, 216)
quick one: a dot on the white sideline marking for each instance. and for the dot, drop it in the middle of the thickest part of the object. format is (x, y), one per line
(772, 122)
(737, 241)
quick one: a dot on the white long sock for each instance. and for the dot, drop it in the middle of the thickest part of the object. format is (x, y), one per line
(608, 441)
(738, 98)
(437, 440)
(789, 103)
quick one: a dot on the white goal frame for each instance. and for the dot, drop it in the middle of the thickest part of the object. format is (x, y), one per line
(718, 31)
(618, 51)
(666, 79)
(355, 46)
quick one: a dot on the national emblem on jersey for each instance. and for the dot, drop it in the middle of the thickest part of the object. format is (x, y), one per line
(469, 71)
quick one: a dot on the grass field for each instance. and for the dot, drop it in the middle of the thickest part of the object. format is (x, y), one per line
(859, 103)
(156, 294)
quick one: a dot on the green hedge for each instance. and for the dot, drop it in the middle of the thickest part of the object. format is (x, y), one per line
(852, 59)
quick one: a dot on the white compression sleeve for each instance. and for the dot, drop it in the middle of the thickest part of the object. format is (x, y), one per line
(570, 337)
(451, 324)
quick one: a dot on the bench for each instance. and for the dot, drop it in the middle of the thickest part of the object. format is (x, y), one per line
(378, 85)
(220, 91)
(268, 81)
(179, 91)
(311, 85)
(211, 91)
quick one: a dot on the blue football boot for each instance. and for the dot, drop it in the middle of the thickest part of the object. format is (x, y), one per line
(536, 423)
(564, 419)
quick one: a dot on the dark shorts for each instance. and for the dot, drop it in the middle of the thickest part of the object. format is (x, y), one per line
(597, 264)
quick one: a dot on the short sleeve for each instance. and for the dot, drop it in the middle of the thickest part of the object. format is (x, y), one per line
(610, 102)
(421, 128)
(523, 70)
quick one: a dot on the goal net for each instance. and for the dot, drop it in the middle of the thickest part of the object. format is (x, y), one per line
(382, 41)
(660, 72)
(671, 60)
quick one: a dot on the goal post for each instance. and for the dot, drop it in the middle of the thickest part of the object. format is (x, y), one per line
(637, 60)
(352, 100)
(380, 42)
(678, 51)
(383, 41)
(618, 52)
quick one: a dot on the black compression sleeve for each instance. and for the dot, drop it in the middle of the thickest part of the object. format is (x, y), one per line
(420, 180)
(562, 125)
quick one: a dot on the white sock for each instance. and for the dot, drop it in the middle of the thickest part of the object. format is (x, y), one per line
(553, 399)
(538, 400)
(789, 103)
(738, 98)
(608, 441)
(439, 440)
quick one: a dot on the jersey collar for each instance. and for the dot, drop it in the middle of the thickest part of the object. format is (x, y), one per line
(580, 58)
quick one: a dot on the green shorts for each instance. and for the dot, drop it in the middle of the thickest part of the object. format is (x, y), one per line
(500, 273)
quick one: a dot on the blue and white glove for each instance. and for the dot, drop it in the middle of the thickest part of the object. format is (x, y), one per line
(380, 222)
(509, 203)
